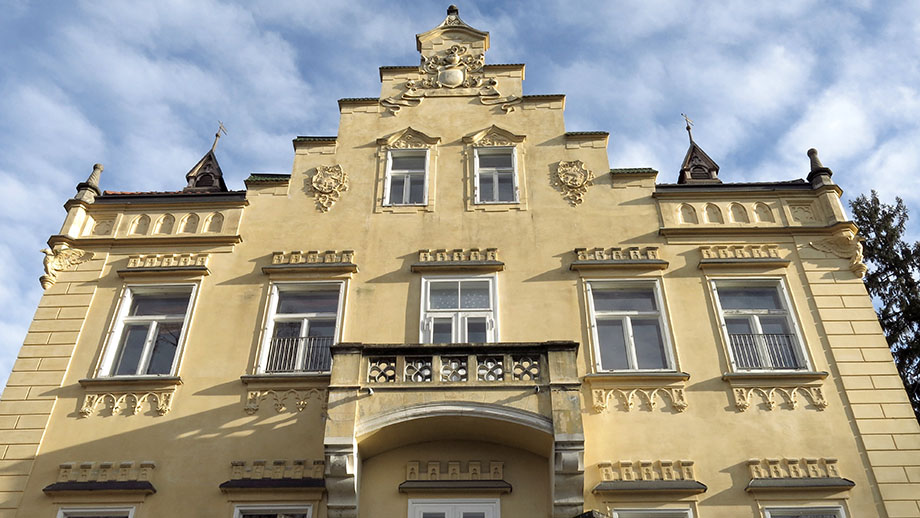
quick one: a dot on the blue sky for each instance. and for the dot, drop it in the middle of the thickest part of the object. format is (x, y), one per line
(139, 87)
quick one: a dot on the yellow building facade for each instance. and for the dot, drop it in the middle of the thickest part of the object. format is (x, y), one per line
(456, 309)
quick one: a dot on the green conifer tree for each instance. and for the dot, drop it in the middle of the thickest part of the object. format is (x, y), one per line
(893, 280)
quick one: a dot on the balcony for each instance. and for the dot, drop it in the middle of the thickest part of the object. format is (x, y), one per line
(766, 352)
(308, 354)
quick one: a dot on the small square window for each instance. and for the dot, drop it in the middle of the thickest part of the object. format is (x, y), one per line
(496, 175)
(407, 177)
(458, 310)
(303, 324)
(628, 326)
(149, 331)
(759, 329)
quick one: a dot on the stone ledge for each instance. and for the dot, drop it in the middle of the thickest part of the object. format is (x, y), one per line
(272, 483)
(499, 486)
(637, 376)
(691, 487)
(458, 266)
(115, 382)
(311, 267)
(117, 486)
(739, 378)
(799, 484)
(652, 264)
(165, 271)
(767, 262)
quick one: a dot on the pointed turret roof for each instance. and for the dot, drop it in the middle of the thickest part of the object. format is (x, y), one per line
(206, 175)
(697, 167)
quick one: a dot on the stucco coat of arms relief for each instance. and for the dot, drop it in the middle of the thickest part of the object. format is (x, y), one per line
(328, 183)
(454, 71)
(573, 179)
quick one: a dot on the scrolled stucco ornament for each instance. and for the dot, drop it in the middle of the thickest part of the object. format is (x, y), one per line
(573, 179)
(329, 182)
(59, 259)
(845, 245)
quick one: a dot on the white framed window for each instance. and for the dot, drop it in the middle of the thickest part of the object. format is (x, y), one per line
(758, 326)
(652, 513)
(496, 175)
(454, 508)
(149, 330)
(96, 512)
(273, 511)
(628, 325)
(406, 177)
(459, 309)
(804, 512)
(302, 323)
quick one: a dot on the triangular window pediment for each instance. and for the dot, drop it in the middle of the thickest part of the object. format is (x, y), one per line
(494, 137)
(408, 138)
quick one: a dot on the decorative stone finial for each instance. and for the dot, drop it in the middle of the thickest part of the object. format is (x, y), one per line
(452, 10)
(819, 174)
(88, 190)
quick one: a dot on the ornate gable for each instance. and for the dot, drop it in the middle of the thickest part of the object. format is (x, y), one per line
(206, 175)
(408, 138)
(452, 61)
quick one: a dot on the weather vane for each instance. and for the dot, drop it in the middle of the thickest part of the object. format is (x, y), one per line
(220, 129)
(689, 125)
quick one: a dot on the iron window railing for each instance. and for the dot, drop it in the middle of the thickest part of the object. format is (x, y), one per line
(305, 354)
(766, 351)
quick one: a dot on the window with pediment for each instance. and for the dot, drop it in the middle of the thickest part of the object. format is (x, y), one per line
(407, 166)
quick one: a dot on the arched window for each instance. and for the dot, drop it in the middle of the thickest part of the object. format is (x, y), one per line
(739, 213)
(713, 214)
(687, 214)
(215, 222)
(165, 224)
(141, 225)
(190, 225)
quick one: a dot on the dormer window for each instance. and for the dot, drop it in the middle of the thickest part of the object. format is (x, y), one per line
(496, 176)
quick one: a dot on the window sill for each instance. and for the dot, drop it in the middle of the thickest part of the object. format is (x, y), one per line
(285, 378)
(131, 382)
(637, 376)
(784, 376)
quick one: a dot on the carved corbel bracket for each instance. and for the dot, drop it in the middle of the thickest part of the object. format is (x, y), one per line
(133, 402)
(773, 397)
(638, 398)
(845, 245)
(59, 259)
(282, 399)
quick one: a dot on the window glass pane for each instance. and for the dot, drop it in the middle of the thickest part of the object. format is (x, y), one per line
(476, 330)
(749, 298)
(506, 187)
(633, 299)
(467, 514)
(738, 326)
(442, 331)
(409, 163)
(474, 295)
(612, 344)
(132, 346)
(486, 188)
(287, 330)
(308, 301)
(159, 304)
(397, 186)
(774, 326)
(650, 353)
(443, 295)
(416, 189)
(164, 348)
(496, 160)
(321, 328)
(427, 514)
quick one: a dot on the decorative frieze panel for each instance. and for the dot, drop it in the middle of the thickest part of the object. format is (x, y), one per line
(573, 179)
(475, 470)
(167, 261)
(793, 468)
(131, 402)
(328, 183)
(128, 471)
(313, 257)
(284, 399)
(648, 253)
(646, 470)
(740, 252)
(639, 398)
(479, 259)
(775, 397)
(277, 469)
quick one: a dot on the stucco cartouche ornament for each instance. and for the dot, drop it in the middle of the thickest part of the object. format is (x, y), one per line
(329, 182)
(845, 245)
(573, 179)
(59, 259)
